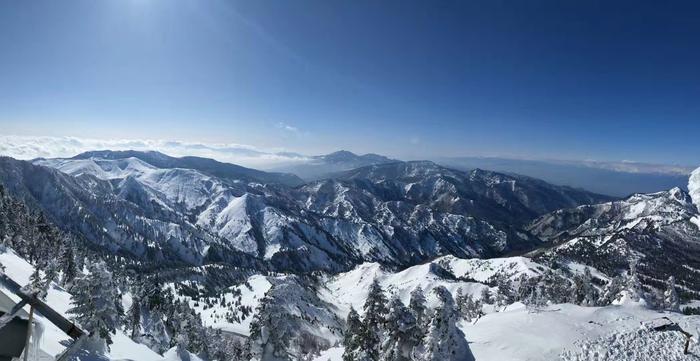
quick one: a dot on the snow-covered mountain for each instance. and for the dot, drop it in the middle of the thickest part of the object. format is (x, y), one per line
(193, 210)
(325, 166)
(539, 308)
(661, 230)
(204, 165)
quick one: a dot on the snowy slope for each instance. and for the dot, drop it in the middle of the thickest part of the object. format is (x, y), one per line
(571, 333)
(520, 335)
(240, 296)
(351, 288)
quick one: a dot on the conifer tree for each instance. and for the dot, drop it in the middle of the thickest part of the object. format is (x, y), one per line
(505, 294)
(94, 303)
(611, 292)
(444, 341)
(402, 333)
(671, 301)
(417, 305)
(351, 337)
(67, 264)
(486, 296)
(375, 310)
(582, 290)
(134, 317)
(37, 285)
(634, 289)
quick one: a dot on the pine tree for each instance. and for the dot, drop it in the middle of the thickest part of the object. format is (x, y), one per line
(461, 302)
(134, 317)
(582, 290)
(94, 303)
(611, 292)
(486, 296)
(539, 297)
(67, 263)
(155, 334)
(444, 341)
(467, 307)
(50, 273)
(402, 333)
(417, 305)
(634, 289)
(671, 301)
(505, 294)
(351, 339)
(36, 285)
(375, 309)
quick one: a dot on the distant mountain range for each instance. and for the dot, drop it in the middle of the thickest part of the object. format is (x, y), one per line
(619, 179)
(193, 210)
(325, 166)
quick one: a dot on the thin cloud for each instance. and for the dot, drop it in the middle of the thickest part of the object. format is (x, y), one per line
(31, 147)
(287, 127)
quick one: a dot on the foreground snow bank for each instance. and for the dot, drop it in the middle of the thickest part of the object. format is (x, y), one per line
(638, 345)
(572, 333)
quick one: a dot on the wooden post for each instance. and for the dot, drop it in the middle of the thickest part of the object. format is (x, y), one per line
(29, 333)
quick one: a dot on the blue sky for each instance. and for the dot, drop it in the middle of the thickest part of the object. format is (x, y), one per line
(538, 79)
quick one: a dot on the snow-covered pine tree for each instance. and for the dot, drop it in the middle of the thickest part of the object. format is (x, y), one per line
(611, 292)
(461, 302)
(270, 333)
(633, 286)
(582, 290)
(505, 295)
(417, 305)
(133, 319)
(352, 334)
(470, 308)
(226, 347)
(402, 333)
(66, 262)
(94, 304)
(50, 273)
(671, 301)
(372, 332)
(190, 329)
(155, 334)
(486, 296)
(539, 297)
(444, 341)
(37, 285)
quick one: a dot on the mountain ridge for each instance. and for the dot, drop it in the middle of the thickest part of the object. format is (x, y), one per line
(425, 211)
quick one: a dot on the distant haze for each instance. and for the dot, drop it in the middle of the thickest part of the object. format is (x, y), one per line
(611, 178)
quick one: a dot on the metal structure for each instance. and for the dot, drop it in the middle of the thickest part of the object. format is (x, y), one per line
(15, 332)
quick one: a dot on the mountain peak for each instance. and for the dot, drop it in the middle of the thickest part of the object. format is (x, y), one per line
(348, 156)
(120, 154)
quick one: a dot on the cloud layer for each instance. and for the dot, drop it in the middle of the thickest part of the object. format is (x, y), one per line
(30, 147)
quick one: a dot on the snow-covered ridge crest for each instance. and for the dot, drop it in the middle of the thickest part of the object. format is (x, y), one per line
(694, 187)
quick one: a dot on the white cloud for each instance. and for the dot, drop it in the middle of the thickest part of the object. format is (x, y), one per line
(30, 147)
(288, 128)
